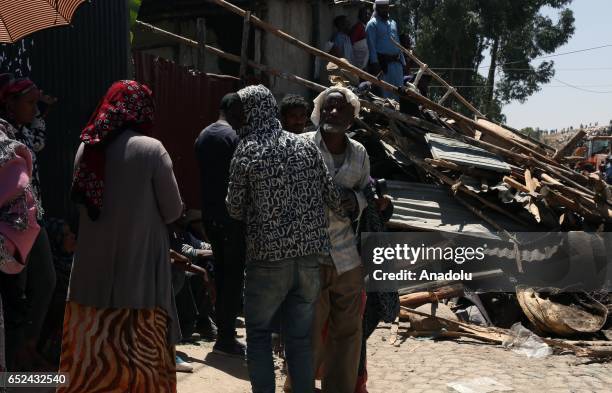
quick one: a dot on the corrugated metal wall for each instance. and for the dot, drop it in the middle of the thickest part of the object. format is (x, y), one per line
(186, 103)
(77, 64)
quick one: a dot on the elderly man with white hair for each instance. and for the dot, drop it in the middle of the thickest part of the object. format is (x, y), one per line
(340, 301)
(385, 57)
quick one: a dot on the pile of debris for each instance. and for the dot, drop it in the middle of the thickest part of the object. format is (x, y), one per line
(453, 312)
(488, 167)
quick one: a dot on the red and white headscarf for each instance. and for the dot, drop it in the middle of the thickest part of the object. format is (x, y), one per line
(126, 105)
(10, 86)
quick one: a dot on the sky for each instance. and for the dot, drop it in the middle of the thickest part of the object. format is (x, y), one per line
(557, 106)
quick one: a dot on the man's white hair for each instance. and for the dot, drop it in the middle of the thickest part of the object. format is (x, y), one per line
(350, 97)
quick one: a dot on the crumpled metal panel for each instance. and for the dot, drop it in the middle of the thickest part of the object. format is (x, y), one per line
(463, 154)
(427, 207)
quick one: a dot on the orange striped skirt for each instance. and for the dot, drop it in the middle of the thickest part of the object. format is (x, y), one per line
(117, 350)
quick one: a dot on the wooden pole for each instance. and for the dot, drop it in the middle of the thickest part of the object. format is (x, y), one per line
(244, 50)
(201, 36)
(233, 58)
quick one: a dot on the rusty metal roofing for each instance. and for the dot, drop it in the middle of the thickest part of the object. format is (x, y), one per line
(463, 154)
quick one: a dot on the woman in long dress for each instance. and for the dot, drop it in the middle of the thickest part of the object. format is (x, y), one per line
(120, 324)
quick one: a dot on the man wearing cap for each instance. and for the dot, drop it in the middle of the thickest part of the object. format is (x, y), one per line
(339, 303)
(385, 56)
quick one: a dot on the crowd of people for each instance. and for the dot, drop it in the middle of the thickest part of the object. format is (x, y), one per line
(370, 44)
(276, 240)
(280, 210)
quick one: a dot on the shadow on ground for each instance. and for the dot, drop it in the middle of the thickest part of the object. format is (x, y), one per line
(235, 367)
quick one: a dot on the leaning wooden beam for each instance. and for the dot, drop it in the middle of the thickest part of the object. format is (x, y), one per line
(231, 57)
(541, 167)
(557, 184)
(437, 77)
(569, 146)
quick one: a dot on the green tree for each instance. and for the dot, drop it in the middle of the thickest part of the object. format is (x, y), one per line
(533, 133)
(134, 7)
(453, 34)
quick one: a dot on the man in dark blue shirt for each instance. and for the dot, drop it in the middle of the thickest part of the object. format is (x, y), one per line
(214, 150)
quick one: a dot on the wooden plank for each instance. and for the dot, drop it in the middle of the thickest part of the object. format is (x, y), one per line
(506, 134)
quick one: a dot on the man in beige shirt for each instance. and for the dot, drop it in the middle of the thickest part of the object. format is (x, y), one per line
(340, 301)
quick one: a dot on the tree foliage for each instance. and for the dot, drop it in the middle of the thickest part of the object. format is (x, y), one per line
(133, 7)
(455, 34)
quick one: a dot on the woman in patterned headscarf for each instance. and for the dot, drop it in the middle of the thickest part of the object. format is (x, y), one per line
(120, 285)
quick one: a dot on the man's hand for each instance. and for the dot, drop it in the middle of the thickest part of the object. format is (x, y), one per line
(383, 203)
(203, 254)
(178, 259)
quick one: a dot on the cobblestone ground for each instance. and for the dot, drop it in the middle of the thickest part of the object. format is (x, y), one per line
(416, 365)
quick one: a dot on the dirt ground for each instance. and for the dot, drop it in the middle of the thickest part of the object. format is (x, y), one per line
(419, 365)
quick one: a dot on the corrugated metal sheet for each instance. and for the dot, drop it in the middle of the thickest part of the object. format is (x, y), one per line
(463, 154)
(426, 207)
(77, 64)
(186, 103)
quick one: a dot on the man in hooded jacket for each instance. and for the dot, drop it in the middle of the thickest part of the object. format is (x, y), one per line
(279, 187)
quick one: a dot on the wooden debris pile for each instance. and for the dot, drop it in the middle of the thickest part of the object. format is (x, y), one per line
(490, 169)
(524, 172)
(596, 350)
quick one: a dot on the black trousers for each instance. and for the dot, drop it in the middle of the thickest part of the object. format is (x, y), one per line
(228, 245)
(27, 296)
